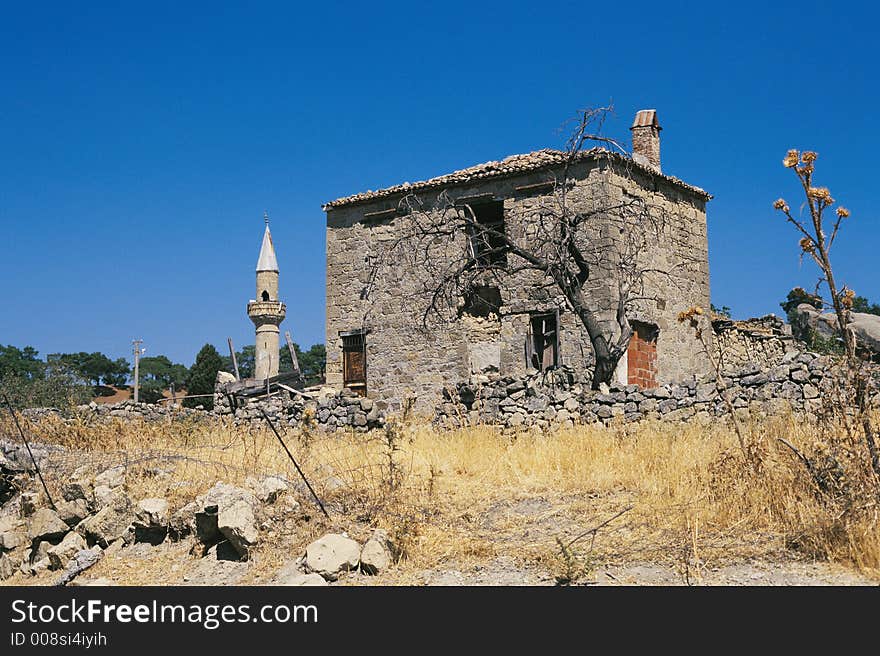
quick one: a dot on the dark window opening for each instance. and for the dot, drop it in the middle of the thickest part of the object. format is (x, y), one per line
(482, 300)
(487, 240)
(354, 362)
(265, 295)
(542, 343)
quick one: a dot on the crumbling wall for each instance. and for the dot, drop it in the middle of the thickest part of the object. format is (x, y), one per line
(763, 342)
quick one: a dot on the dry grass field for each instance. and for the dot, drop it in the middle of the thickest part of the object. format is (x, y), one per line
(523, 508)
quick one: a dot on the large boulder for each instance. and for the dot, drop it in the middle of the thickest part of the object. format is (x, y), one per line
(109, 524)
(61, 553)
(331, 555)
(46, 525)
(867, 330)
(866, 327)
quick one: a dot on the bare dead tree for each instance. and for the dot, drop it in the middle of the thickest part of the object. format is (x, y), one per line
(584, 244)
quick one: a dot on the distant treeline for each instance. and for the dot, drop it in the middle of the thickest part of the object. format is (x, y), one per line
(66, 379)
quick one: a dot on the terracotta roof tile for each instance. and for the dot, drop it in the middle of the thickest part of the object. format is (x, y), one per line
(513, 165)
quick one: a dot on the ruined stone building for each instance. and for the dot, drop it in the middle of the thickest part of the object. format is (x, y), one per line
(376, 344)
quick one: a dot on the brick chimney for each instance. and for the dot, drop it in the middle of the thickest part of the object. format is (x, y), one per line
(646, 139)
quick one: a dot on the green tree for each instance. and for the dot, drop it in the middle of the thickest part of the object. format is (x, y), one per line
(245, 359)
(312, 363)
(797, 296)
(722, 311)
(95, 367)
(157, 374)
(57, 387)
(862, 304)
(202, 376)
(21, 362)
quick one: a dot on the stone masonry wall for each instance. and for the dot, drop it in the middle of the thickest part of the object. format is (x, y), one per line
(796, 383)
(764, 341)
(331, 413)
(368, 290)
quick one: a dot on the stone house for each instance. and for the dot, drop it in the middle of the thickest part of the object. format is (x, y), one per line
(376, 344)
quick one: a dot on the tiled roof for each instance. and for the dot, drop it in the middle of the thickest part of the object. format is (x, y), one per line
(512, 165)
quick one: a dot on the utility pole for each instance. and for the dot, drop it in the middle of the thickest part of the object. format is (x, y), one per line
(138, 351)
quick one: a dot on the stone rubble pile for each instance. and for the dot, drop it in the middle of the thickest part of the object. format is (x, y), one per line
(96, 514)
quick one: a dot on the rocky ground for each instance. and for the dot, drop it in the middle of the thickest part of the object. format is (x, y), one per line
(269, 531)
(98, 536)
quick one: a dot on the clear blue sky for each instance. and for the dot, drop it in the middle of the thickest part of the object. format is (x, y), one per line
(141, 144)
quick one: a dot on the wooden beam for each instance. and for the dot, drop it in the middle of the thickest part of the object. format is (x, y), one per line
(234, 360)
(538, 186)
(295, 391)
(292, 352)
(380, 213)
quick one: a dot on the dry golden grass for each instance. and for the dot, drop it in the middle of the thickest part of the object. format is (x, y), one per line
(471, 495)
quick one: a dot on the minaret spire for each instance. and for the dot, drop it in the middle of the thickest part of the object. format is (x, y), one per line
(267, 260)
(266, 311)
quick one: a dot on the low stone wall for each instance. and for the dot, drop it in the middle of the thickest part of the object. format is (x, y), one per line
(797, 382)
(341, 411)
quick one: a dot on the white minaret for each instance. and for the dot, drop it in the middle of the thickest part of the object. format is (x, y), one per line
(267, 312)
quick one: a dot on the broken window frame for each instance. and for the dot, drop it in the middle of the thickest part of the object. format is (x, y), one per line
(487, 247)
(536, 354)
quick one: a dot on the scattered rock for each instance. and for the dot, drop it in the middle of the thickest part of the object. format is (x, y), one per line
(80, 562)
(237, 523)
(73, 512)
(377, 554)
(151, 521)
(61, 553)
(46, 525)
(269, 489)
(112, 478)
(109, 524)
(331, 555)
(300, 579)
(101, 581)
(10, 540)
(104, 496)
(7, 567)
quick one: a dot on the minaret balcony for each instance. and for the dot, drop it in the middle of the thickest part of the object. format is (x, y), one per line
(267, 311)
